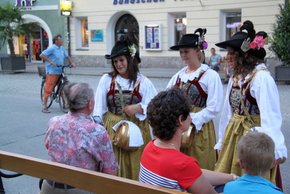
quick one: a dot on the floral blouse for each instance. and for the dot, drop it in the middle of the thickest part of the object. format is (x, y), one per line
(74, 139)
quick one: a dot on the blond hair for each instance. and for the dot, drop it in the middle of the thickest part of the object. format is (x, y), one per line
(256, 152)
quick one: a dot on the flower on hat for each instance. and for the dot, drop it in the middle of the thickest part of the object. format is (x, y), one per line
(132, 50)
(257, 43)
(204, 45)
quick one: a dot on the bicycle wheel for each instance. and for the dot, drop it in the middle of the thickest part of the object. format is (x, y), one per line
(63, 103)
(50, 98)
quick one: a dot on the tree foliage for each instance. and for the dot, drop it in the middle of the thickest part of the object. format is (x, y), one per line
(281, 34)
(12, 24)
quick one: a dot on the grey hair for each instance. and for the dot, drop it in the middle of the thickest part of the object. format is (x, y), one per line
(78, 95)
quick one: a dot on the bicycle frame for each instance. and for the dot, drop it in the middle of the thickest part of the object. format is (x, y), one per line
(57, 91)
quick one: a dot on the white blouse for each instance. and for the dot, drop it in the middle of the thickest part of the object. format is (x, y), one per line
(147, 91)
(212, 85)
(264, 90)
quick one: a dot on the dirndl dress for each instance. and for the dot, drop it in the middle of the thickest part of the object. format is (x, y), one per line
(129, 161)
(240, 123)
(202, 147)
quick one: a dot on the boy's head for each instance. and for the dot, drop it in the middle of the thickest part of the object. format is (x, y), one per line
(256, 153)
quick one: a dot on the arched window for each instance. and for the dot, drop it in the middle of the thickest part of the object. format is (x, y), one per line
(127, 27)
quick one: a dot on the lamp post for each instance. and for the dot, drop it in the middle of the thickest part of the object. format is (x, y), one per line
(65, 10)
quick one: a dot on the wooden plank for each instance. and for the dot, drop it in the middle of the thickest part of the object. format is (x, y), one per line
(81, 178)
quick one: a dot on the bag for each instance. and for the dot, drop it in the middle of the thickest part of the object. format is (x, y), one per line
(187, 137)
(122, 137)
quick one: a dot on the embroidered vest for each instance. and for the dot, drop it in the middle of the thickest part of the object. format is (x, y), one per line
(130, 97)
(250, 102)
(194, 90)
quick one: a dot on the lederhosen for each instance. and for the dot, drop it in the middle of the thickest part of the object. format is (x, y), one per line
(246, 115)
(202, 147)
(129, 161)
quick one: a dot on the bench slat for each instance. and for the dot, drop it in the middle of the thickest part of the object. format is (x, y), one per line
(99, 183)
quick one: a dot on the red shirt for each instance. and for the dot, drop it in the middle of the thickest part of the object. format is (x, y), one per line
(168, 168)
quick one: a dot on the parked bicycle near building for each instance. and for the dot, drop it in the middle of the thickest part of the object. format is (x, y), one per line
(57, 93)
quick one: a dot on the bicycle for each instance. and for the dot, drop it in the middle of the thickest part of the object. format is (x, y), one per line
(57, 93)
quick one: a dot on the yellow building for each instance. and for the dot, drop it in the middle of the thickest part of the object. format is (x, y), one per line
(155, 25)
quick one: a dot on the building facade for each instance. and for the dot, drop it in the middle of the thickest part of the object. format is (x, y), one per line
(155, 25)
(46, 14)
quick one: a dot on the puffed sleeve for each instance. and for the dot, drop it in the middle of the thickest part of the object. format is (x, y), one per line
(100, 107)
(148, 91)
(214, 100)
(264, 90)
(172, 81)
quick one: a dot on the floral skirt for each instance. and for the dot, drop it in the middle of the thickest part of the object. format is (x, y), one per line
(202, 148)
(129, 161)
(228, 157)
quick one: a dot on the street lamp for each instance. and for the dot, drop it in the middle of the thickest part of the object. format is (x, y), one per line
(66, 10)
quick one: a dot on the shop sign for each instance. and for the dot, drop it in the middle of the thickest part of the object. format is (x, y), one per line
(97, 35)
(121, 2)
(24, 3)
(65, 7)
(153, 37)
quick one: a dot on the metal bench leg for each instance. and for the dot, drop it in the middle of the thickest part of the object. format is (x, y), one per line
(2, 191)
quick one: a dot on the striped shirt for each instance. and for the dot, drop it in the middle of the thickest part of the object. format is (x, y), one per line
(146, 176)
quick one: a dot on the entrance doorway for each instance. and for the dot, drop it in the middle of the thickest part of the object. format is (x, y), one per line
(127, 27)
(32, 45)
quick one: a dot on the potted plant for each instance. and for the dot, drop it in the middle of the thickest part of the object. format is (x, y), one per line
(281, 42)
(12, 24)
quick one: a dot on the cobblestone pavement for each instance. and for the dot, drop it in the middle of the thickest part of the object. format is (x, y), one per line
(23, 125)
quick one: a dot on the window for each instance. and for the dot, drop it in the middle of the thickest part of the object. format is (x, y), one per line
(231, 22)
(177, 27)
(82, 32)
(85, 32)
(127, 27)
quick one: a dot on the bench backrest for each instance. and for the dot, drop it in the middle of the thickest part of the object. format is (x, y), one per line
(99, 183)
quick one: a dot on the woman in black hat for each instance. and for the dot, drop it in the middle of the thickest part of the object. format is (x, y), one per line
(252, 100)
(124, 94)
(203, 86)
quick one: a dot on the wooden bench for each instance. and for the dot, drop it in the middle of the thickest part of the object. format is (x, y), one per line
(91, 181)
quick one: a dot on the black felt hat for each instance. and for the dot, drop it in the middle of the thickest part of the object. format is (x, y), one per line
(259, 53)
(120, 48)
(247, 31)
(234, 42)
(187, 41)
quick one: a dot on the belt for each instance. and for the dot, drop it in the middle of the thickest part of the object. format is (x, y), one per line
(59, 185)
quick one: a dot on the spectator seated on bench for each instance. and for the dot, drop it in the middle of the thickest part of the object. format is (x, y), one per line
(162, 163)
(74, 139)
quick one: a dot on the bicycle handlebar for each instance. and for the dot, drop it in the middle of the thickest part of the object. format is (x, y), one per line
(64, 66)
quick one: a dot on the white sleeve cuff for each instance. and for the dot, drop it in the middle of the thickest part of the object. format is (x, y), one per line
(141, 116)
(196, 122)
(218, 145)
(281, 153)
